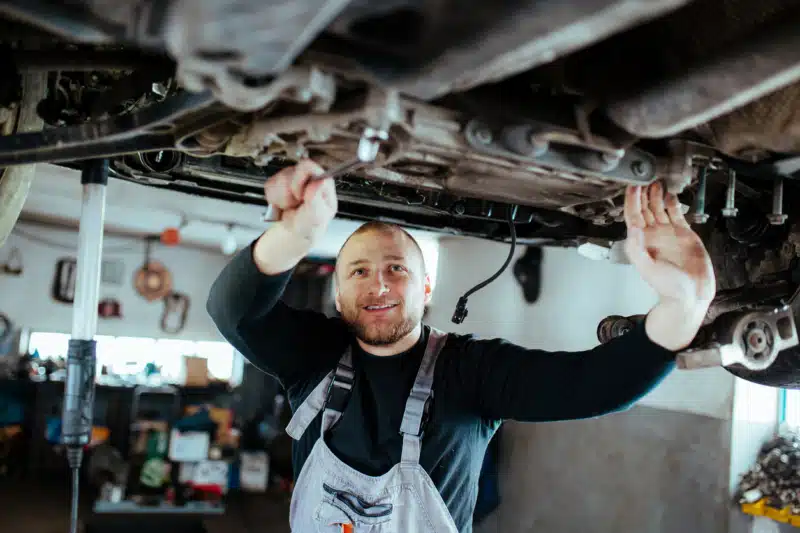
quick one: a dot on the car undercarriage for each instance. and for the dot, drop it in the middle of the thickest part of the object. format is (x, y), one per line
(485, 117)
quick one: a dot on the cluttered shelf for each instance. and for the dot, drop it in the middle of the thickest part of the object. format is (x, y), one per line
(771, 487)
(155, 449)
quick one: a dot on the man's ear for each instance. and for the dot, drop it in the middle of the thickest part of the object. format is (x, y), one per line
(336, 300)
(428, 289)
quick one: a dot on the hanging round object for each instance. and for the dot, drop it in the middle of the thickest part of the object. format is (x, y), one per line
(153, 281)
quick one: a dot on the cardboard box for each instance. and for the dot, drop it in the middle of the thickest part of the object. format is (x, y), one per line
(188, 446)
(254, 472)
(196, 371)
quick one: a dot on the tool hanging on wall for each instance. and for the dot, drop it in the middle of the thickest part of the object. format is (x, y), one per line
(176, 310)
(109, 308)
(6, 328)
(152, 280)
(65, 279)
(13, 264)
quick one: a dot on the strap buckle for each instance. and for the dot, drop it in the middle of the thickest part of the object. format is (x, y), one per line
(339, 389)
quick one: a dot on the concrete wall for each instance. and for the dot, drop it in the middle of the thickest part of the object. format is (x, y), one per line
(27, 300)
(663, 466)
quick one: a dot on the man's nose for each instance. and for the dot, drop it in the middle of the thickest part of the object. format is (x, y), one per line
(380, 286)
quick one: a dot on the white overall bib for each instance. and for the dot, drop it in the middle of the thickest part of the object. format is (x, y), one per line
(331, 497)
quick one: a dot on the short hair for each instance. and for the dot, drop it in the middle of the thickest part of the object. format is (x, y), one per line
(386, 227)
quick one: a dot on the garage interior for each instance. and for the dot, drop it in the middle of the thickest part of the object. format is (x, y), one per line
(671, 463)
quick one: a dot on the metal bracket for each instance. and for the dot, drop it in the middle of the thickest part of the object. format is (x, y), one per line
(752, 339)
(562, 150)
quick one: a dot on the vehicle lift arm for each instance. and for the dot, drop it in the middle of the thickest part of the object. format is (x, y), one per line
(78, 407)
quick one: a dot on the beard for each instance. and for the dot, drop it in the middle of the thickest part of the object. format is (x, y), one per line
(380, 333)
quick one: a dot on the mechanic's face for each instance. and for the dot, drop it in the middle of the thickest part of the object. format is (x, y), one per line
(382, 288)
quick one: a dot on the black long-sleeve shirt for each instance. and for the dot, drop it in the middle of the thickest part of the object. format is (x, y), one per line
(478, 383)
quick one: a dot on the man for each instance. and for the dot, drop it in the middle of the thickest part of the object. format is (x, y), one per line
(392, 417)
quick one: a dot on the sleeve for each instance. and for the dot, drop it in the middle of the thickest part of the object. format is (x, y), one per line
(289, 344)
(503, 381)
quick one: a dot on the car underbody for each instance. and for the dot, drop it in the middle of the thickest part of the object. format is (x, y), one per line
(484, 116)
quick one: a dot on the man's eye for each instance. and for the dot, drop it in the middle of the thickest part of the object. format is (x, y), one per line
(398, 268)
(359, 272)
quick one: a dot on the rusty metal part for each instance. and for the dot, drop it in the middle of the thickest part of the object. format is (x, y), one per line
(751, 339)
(381, 109)
(486, 166)
(555, 149)
(678, 169)
(769, 124)
(219, 44)
(743, 73)
(307, 85)
(494, 41)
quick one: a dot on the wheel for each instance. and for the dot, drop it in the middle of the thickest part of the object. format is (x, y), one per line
(783, 373)
(15, 182)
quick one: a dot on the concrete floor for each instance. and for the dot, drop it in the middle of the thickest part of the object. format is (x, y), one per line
(44, 508)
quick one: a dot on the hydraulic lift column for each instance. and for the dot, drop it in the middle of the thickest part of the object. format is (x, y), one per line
(78, 405)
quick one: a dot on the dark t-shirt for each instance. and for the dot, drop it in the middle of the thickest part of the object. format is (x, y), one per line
(478, 383)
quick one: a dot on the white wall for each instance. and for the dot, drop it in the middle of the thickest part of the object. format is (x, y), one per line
(27, 299)
(577, 293)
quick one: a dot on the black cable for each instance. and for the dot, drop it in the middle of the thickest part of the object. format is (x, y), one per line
(461, 307)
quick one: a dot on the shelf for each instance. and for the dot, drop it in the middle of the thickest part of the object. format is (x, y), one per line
(129, 507)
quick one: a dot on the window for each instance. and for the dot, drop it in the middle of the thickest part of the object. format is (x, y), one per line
(790, 408)
(128, 356)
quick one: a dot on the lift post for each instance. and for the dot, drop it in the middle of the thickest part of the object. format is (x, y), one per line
(79, 388)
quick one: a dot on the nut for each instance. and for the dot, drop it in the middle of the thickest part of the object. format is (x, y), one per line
(698, 218)
(483, 135)
(776, 219)
(640, 168)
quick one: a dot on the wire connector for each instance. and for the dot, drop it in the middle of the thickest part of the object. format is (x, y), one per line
(461, 310)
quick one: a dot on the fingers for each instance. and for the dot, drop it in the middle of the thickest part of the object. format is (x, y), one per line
(285, 189)
(637, 252)
(648, 206)
(656, 194)
(633, 207)
(647, 214)
(675, 212)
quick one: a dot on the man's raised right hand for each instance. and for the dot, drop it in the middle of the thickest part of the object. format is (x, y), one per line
(305, 208)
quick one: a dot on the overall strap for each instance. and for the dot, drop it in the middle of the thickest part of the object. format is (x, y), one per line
(418, 403)
(331, 394)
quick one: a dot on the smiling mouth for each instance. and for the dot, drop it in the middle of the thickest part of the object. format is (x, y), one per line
(380, 307)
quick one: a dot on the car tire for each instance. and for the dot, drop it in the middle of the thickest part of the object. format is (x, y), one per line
(15, 182)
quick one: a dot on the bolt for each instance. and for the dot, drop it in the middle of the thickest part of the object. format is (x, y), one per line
(640, 168)
(699, 215)
(483, 134)
(776, 218)
(730, 198)
(757, 340)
